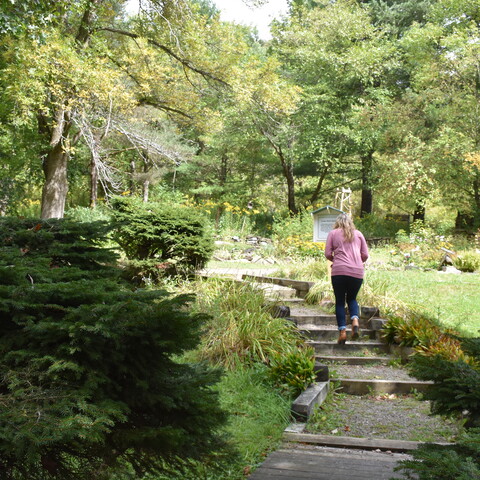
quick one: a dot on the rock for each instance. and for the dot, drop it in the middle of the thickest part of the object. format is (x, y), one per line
(279, 311)
(450, 269)
(369, 312)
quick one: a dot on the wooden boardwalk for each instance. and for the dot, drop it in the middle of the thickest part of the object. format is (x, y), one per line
(299, 462)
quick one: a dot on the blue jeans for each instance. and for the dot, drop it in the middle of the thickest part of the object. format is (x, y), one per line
(346, 289)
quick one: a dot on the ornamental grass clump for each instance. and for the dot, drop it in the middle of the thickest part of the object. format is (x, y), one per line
(89, 385)
(467, 261)
(242, 331)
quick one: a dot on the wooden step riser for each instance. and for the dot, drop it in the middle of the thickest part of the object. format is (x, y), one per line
(330, 335)
(380, 387)
(322, 320)
(326, 348)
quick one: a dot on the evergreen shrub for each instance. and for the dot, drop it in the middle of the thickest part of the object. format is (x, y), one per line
(160, 239)
(89, 386)
(454, 392)
(455, 381)
(438, 462)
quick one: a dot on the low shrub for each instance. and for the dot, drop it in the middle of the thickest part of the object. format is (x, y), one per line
(373, 226)
(455, 380)
(467, 261)
(293, 372)
(160, 240)
(421, 247)
(436, 462)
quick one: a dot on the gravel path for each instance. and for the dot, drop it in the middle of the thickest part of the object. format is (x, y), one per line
(386, 416)
(369, 372)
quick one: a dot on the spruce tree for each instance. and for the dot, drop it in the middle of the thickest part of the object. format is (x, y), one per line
(89, 384)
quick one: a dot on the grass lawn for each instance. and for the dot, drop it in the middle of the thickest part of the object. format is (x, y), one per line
(453, 299)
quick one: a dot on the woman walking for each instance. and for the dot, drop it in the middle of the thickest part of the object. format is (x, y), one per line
(347, 249)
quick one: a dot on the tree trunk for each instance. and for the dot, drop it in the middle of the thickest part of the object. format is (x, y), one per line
(146, 189)
(287, 169)
(93, 182)
(55, 189)
(367, 193)
(146, 179)
(133, 167)
(292, 208)
(419, 213)
(476, 192)
(318, 188)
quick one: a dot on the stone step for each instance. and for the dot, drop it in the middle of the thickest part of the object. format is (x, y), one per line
(304, 404)
(330, 332)
(349, 360)
(324, 319)
(351, 347)
(300, 286)
(276, 292)
(285, 301)
(354, 386)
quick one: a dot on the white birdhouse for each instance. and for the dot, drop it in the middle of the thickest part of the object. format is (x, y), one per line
(323, 221)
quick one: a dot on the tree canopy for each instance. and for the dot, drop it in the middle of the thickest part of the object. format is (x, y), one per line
(378, 96)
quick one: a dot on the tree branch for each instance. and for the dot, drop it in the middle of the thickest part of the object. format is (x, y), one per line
(186, 63)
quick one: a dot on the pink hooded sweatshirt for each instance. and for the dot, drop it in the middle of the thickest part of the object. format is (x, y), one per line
(347, 257)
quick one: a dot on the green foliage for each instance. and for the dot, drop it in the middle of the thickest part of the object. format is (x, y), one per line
(375, 226)
(258, 416)
(293, 372)
(455, 389)
(467, 261)
(293, 237)
(89, 384)
(161, 239)
(436, 462)
(242, 330)
(87, 214)
(421, 247)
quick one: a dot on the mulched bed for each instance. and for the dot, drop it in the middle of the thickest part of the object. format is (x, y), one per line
(384, 416)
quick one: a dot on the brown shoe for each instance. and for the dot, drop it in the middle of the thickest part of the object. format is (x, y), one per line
(342, 337)
(355, 328)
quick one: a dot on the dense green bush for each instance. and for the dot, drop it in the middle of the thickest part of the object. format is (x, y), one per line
(455, 381)
(437, 462)
(373, 226)
(160, 239)
(89, 385)
(467, 261)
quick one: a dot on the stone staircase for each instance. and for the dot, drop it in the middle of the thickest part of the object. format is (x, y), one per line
(333, 362)
(307, 455)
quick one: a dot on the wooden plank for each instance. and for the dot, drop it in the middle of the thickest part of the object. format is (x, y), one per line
(327, 464)
(352, 442)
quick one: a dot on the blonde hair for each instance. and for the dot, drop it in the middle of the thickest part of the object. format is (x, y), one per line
(345, 223)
